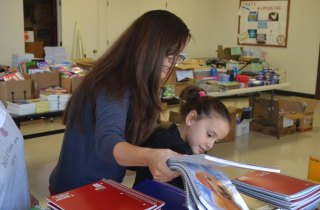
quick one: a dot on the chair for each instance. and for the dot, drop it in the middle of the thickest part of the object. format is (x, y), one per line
(314, 169)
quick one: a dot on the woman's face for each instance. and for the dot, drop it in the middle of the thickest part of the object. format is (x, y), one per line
(167, 64)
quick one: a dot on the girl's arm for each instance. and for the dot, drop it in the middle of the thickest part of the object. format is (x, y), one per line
(127, 154)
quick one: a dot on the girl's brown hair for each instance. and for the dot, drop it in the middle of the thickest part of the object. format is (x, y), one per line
(133, 63)
(195, 98)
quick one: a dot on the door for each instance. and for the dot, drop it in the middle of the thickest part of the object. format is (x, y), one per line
(40, 17)
(79, 19)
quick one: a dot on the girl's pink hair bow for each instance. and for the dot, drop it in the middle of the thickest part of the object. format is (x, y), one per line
(202, 93)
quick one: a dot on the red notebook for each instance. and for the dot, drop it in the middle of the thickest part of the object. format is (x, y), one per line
(104, 194)
(276, 183)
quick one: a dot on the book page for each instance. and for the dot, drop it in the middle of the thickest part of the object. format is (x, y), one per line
(209, 160)
(213, 189)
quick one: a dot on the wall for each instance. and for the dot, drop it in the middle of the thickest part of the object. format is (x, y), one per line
(85, 14)
(11, 24)
(299, 59)
(214, 26)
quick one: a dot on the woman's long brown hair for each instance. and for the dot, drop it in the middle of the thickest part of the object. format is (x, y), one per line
(133, 64)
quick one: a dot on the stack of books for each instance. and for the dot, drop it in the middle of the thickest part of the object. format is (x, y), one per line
(55, 55)
(21, 107)
(207, 187)
(57, 101)
(42, 106)
(16, 59)
(104, 194)
(280, 190)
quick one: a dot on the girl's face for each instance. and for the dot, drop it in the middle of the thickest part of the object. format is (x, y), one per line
(202, 134)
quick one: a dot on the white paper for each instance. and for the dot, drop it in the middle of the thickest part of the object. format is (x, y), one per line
(287, 122)
(3, 115)
(182, 74)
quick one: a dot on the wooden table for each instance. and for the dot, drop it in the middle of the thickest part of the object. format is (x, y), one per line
(20, 118)
(239, 91)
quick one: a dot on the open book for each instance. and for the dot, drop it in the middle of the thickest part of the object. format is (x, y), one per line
(206, 187)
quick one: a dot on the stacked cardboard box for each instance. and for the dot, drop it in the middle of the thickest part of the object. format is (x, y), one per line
(281, 116)
(305, 123)
(235, 113)
(180, 85)
(28, 88)
(70, 84)
(274, 117)
(15, 90)
(43, 80)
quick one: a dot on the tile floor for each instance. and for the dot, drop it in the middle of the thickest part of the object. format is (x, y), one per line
(289, 153)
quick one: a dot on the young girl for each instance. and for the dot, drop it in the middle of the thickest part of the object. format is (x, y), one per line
(205, 121)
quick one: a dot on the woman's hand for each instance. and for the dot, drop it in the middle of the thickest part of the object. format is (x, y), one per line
(157, 163)
(127, 155)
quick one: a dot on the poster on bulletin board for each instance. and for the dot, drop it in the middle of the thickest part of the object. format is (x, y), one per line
(263, 22)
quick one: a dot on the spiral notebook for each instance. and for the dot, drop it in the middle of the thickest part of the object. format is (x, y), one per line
(207, 187)
(279, 189)
(104, 194)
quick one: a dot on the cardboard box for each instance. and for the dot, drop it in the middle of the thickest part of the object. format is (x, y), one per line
(305, 123)
(164, 107)
(16, 90)
(84, 63)
(279, 115)
(70, 83)
(178, 86)
(243, 127)
(284, 126)
(36, 48)
(44, 80)
(175, 117)
(235, 113)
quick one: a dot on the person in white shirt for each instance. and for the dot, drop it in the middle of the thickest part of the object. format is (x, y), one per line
(14, 187)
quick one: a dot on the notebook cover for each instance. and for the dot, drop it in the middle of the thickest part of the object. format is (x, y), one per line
(173, 197)
(100, 195)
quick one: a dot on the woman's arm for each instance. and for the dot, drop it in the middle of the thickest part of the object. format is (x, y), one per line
(127, 154)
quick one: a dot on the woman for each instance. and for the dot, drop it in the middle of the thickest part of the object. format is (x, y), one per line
(116, 107)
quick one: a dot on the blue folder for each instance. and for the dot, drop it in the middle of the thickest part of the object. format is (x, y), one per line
(174, 197)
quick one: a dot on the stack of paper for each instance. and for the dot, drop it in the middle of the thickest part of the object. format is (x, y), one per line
(52, 100)
(17, 59)
(21, 107)
(104, 194)
(280, 190)
(57, 101)
(55, 55)
(63, 100)
(42, 106)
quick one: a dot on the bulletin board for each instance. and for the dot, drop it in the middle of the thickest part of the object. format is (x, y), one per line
(263, 22)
